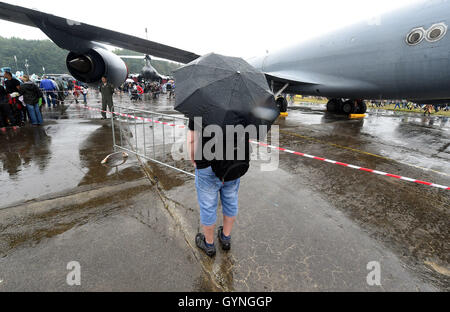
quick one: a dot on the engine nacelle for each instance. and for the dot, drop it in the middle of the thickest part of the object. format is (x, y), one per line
(89, 67)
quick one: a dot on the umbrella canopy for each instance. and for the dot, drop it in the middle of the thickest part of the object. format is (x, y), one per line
(224, 91)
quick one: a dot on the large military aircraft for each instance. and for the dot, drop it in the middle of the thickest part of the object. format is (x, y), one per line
(148, 72)
(402, 55)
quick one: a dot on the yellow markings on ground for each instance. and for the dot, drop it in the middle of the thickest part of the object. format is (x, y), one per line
(284, 114)
(356, 151)
(332, 144)
(357, 116)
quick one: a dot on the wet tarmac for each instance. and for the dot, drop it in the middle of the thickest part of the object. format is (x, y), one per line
(308, 226)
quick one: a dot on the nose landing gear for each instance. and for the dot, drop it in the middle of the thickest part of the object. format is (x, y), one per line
(282, 104)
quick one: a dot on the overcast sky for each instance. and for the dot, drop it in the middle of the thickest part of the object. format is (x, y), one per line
(233, 27)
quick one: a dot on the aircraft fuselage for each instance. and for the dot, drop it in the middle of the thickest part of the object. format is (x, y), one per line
(373, 60)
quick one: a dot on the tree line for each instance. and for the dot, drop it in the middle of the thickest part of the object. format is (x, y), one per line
(41, 54)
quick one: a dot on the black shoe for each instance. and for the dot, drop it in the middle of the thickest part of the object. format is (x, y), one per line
(226, 244)
(201, 243)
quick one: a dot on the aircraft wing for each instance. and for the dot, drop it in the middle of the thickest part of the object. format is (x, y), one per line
(291, 79)
(279, 78)
(312, 83)
(295, 82)
(75, 36)
(59, 29)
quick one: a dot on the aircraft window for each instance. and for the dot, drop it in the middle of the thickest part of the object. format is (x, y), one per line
(436, 32)
(415, 36)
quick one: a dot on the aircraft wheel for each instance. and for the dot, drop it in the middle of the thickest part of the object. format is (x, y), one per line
(332, 106)
(348, 107)
(362, 106)
(282, 104)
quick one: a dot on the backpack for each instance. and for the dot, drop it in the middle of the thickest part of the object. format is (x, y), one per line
(230, 170)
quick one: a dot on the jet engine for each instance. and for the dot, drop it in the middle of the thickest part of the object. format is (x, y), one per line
(89, 67)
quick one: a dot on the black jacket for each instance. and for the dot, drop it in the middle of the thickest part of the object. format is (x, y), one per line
(11, 85)
(3, 96)
(31, 93)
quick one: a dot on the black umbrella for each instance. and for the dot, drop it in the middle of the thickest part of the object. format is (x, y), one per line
(224, 91)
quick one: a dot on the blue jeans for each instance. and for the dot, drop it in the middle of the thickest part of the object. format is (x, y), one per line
(51, 98)
(35, 114)
(208, 189)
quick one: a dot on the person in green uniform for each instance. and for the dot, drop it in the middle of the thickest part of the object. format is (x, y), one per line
(107, 91)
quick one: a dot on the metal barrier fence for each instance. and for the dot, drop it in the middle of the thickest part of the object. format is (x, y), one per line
(156, 137)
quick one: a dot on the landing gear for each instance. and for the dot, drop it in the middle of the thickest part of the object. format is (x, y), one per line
(282, 104)
(346, 107)
(362, 106)
(349, 107)
(334, 106)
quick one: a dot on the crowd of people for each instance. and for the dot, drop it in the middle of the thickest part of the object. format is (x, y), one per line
(23, 98)
(403, 104)
(19, 102)
(136, 89)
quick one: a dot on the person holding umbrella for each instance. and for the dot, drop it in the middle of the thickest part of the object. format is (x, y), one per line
(221, 92)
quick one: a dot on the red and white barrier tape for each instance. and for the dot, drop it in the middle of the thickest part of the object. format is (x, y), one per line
(137, 118)
(352, 166)
(298, 154)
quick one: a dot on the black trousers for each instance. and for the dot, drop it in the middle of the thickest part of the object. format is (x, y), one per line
(110, 105)
(6, 116)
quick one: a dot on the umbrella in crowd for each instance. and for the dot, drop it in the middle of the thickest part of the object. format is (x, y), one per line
(224, 91)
